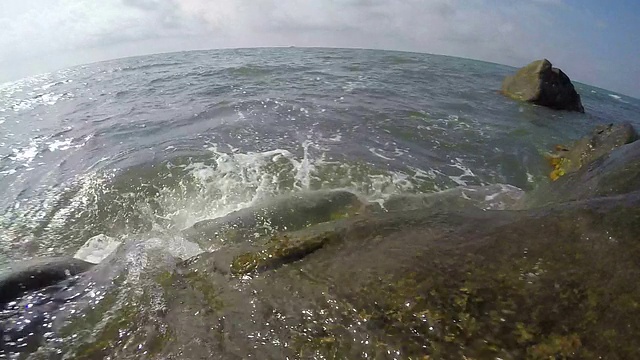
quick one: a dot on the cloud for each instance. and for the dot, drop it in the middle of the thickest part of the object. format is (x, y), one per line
(442, 26)
(513, 32)
(464, 28)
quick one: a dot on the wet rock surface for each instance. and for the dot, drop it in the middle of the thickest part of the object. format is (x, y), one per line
(36, 274)
(490, 197)
(552, 282)
(602, 140)
(599, 173)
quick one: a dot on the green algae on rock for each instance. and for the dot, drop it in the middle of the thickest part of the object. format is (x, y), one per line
(280, 250)
(118, 321)
(542, 84)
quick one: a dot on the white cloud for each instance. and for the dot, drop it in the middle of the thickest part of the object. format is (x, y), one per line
(62, 32)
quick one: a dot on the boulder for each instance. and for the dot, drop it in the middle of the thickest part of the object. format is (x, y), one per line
(542, 84)
(18, 278)
(602, 140)
(615, 173)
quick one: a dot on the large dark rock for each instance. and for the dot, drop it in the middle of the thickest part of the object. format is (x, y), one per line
(615, 173)
(542, 84)
(18, 278)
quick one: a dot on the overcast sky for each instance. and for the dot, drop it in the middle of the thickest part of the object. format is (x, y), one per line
(593, 41)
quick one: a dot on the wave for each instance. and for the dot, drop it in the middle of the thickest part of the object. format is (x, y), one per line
(175, 193)
(137, 67)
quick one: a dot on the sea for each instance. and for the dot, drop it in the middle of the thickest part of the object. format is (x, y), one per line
(164, 141)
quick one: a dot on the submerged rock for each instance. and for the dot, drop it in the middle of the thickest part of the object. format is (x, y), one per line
(287, 212)
(599, 143)
(615, 173)
(490, 197)
(554, 282)
(542, 84)
(280, 250)
(24, 276)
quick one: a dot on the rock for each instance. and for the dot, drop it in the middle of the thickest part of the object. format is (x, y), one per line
(544, 85)
(278, 251)
(553, 282)
(288, 212)
(30, 275)
(476, 284)
(601, 142)
(615, 173)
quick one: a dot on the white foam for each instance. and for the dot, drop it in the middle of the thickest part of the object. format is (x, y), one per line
(505, 197)
(8, 172)
(530, 177)
(304, 168)
(374, 151)
(28, 153)
(60, 144)
(235, 180)
(615, 96)
(228, 181)
(25, 155)
(176, 246)
(422, 174)
(91, 187)
(466, 172)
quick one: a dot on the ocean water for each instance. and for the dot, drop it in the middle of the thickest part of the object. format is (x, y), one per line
(160, 142)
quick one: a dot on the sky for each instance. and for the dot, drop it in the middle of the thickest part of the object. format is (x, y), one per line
(593, 41)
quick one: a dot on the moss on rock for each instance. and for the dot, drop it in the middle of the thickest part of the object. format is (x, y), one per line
(279, 250)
